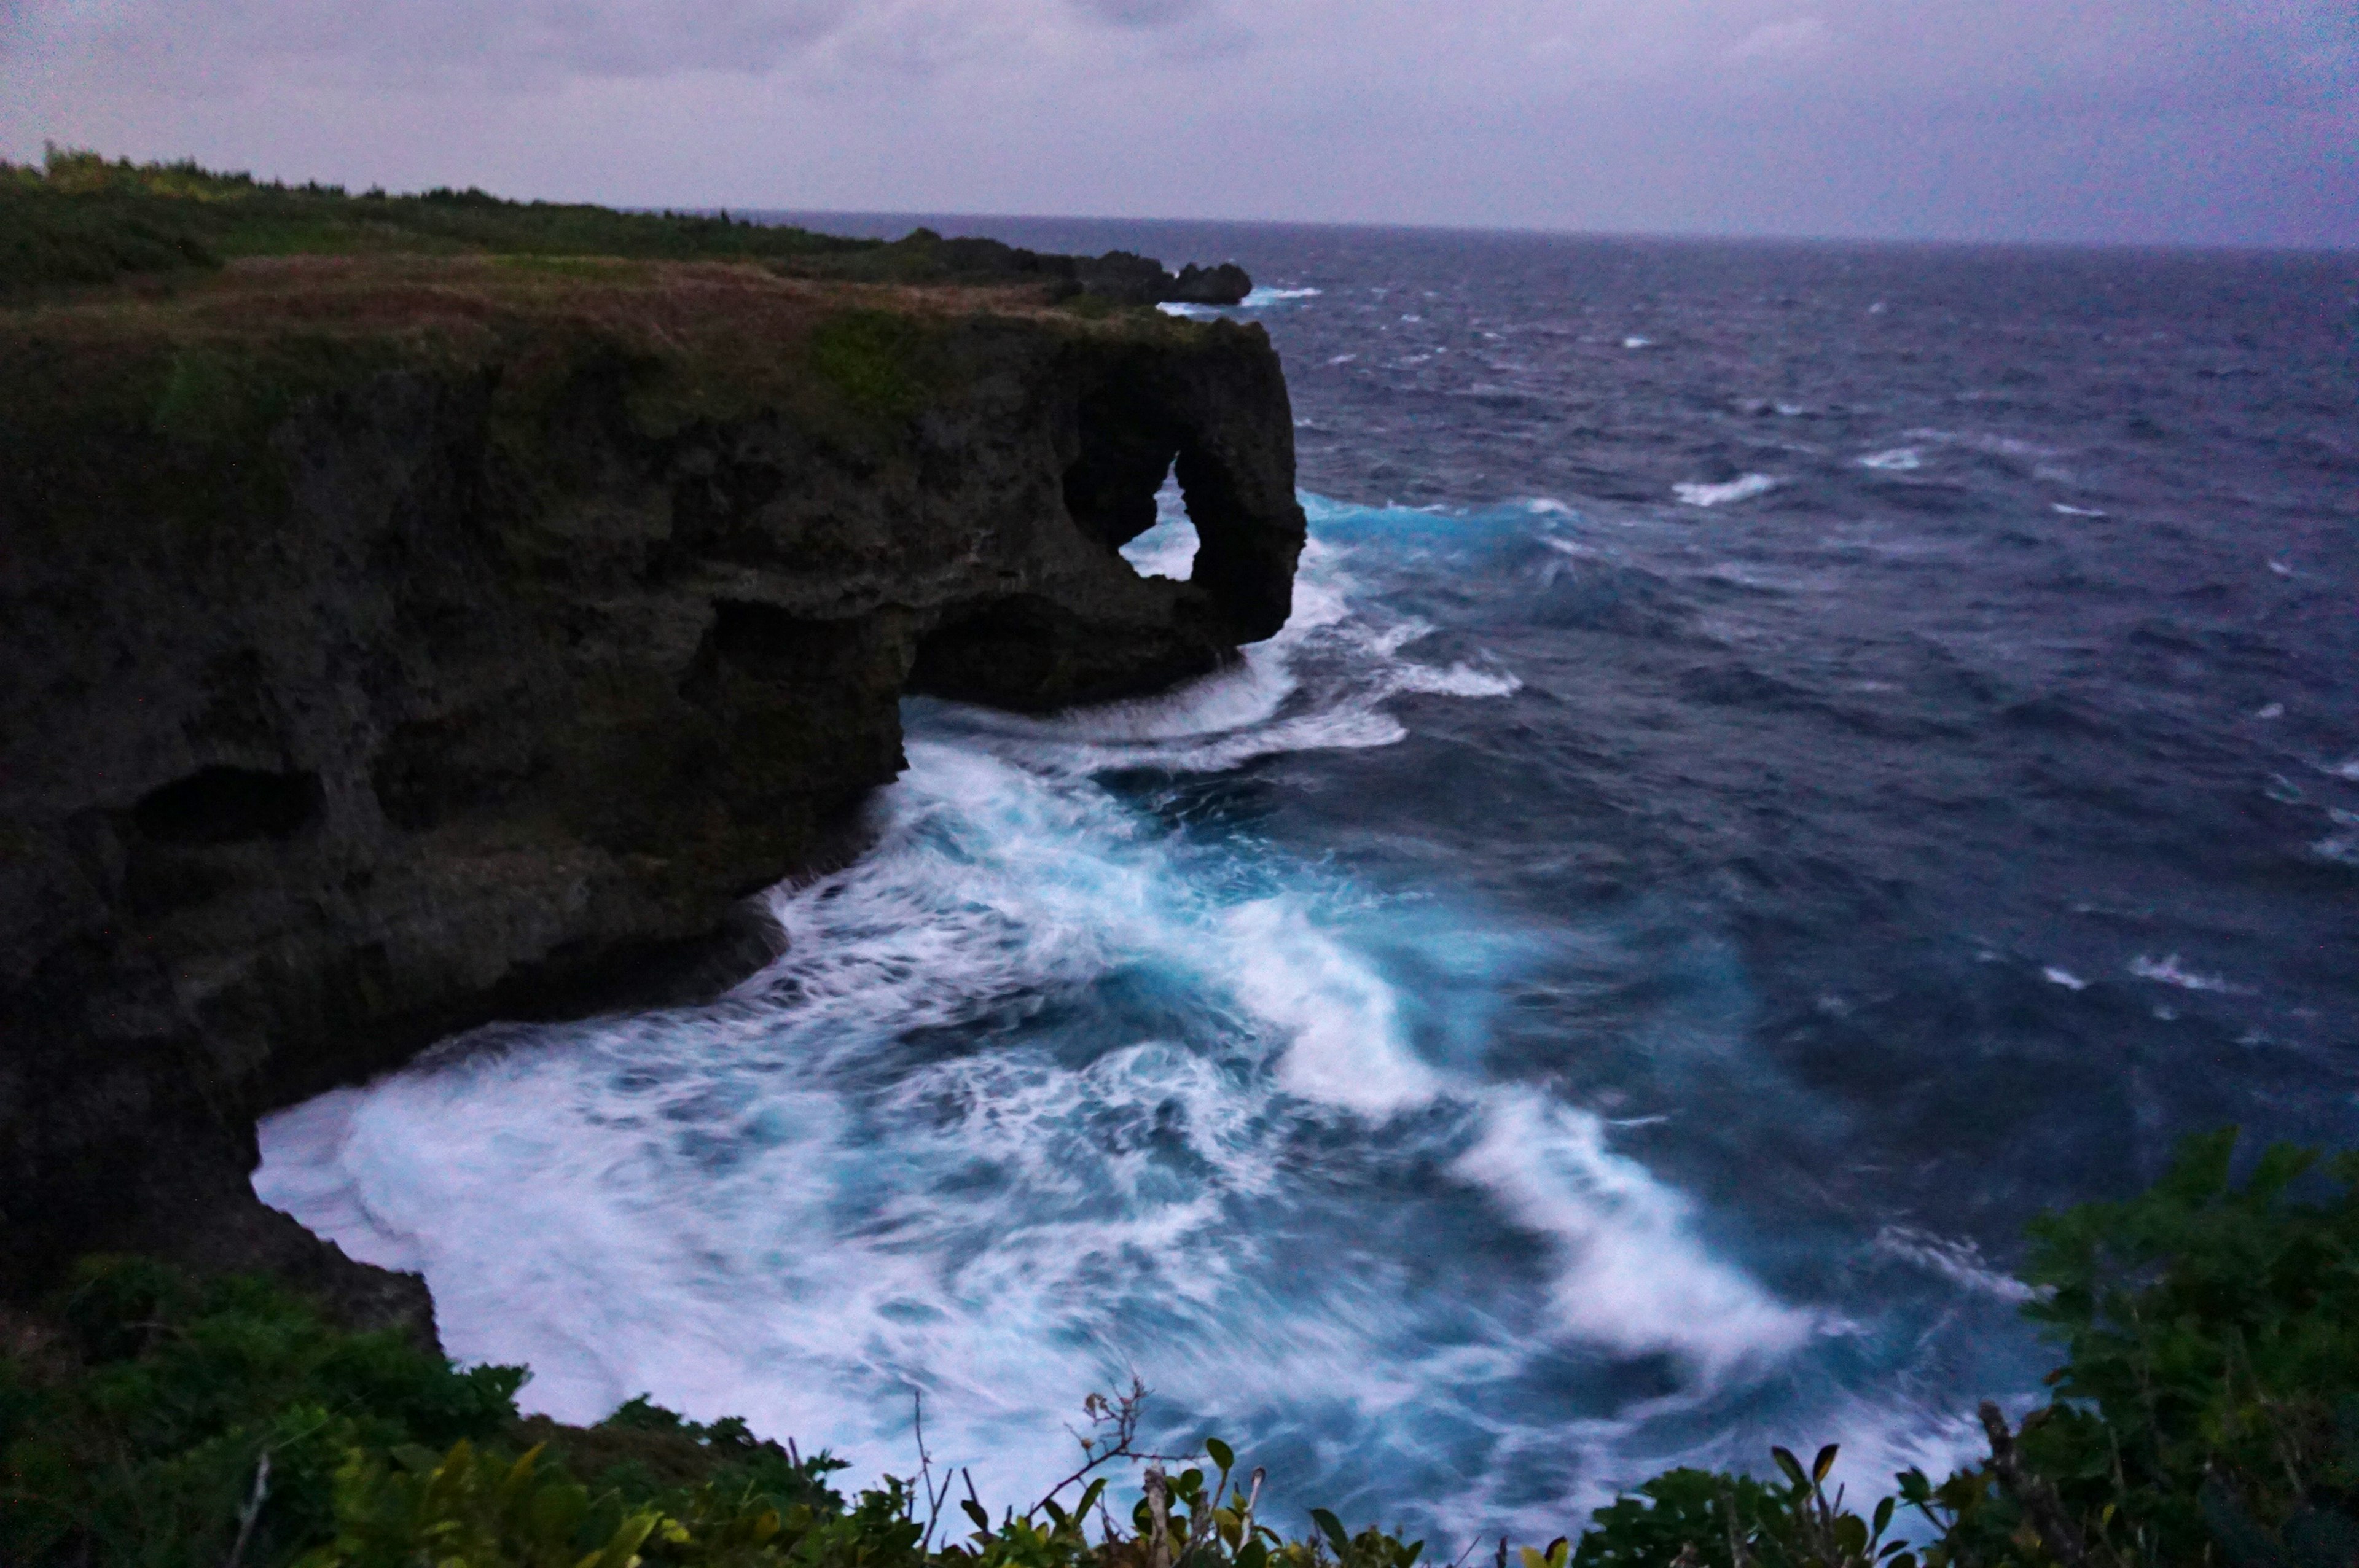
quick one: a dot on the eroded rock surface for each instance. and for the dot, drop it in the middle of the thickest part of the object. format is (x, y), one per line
(390, 649)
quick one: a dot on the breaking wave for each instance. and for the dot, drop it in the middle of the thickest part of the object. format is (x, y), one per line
(1701, 493)
(1045, 1090)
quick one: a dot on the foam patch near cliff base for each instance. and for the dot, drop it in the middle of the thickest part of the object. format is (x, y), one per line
(1044, 1090)
(1024, 1103)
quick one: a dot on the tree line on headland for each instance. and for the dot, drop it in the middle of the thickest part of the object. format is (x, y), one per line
(79, 220)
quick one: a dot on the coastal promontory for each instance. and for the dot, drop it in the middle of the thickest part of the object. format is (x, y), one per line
(398, 640)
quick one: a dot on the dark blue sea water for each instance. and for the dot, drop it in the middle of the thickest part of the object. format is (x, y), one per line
(1790, 761)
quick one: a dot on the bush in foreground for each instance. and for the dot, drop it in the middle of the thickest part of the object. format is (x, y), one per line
(2207, 1414)
(2207, 1410)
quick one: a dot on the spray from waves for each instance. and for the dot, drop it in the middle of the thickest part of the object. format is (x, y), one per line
(1041, 1092)
(1323, 683)
(1023, 1105)
(1899, 459)
(2170, 972)
(1960, 1263)
(1259, 298)
(1700, 492)
(1628, 1275)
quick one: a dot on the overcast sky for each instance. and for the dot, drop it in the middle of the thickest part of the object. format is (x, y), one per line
(2207, 121)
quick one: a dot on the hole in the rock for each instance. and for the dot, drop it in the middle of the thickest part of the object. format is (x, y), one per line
(1119, 489)
(228, 805)
(1168, 547)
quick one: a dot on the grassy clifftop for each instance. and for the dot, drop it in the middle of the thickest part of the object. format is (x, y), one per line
(164, 395)
(207, 296)
(81, 220)
(726, 329)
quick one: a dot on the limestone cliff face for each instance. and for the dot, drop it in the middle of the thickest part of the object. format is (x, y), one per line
(392, 648)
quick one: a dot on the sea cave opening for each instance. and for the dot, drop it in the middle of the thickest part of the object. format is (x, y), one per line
(1167, 548)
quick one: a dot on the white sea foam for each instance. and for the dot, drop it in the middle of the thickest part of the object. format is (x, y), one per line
(1899, 459)
(1629, 1275)
(1344, 1042)
(1983, 442)
(1960, 1263)
(2065, 977)
(1457, 680)
(1636, 343)
(710, 1206)
(1041, 1090)
(1164, 551)
(1323, 683)
(2168, 971)
(2062, 509)
(1700, 493)
(2346, 770)
(1259, 299)
(795, 1205)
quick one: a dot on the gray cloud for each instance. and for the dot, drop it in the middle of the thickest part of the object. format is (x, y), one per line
(530, 39)
(1141, 13)
(2143, 119)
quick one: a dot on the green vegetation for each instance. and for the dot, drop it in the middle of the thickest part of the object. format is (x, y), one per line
(2207, 1411)
(150, 1419)
(79, 219)
(875, 359)
(132, 1433)
(2207, 1414)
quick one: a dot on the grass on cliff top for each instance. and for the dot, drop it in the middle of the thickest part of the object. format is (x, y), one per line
(270, 290)
(81, 220)
(121, 393)
(2207, 1414)
(138, 299)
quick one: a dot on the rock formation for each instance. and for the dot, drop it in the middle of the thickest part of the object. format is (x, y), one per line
(394, 646)
(1226, 284)
(1130, 279)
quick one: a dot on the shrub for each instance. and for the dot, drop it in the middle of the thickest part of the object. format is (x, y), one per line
(141, 1438)
(50, 238)
(872, 358)
(2207, 1412)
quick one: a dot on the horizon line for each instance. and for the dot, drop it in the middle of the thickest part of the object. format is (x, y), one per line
(923, 218)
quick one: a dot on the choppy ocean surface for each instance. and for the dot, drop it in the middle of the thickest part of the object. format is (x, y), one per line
(1788, 760)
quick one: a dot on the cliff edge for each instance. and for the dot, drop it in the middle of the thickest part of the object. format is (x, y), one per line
(394, 643)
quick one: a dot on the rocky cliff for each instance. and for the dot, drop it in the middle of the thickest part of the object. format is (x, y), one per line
(395, 644)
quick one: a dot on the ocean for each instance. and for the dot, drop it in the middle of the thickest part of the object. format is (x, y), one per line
(1790, 761)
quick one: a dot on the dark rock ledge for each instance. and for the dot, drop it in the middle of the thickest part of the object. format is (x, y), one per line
(394, 646)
